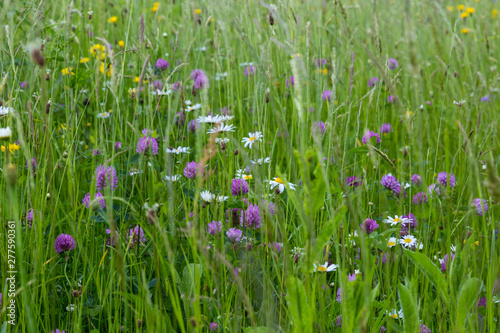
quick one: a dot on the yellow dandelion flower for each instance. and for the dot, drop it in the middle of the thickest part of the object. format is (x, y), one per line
(470, 10)
(66, 71)
(154, 9)
(477, 243)
(113, 19)
(197, 11)
(465, 31)
(461, 7)
(84, 60)
(464, 15)
(121, 44)
(450, 8)
(12, 147)
(494, 13)
(136, 79)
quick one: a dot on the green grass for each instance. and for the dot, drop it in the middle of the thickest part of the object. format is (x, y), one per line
(181, 278)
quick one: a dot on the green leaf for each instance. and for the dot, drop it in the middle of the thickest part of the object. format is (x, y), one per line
(431, 271)
(359, 150)
(467, 297)
(410, 311)
(189, 277)
(298, 304)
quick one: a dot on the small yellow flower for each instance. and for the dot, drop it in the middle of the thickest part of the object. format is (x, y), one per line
(136, 79)
(465, 31)
(89, 124)
(477, 243)
(197, 11)
(94, 49)
(461, 7)
(66, 71)
(494, 13)
(121, 44)
(450, 8)
(464, 15)
(12, 147)
(113, 19)
(470, 10)
(154, 9)
(108, 70)
(84, 60)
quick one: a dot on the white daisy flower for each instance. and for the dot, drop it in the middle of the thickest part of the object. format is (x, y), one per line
(252, 137)
(201, 49)
(210, 119)
(242, 175)
(188, 102)
(71, 307)
(394, 314)
(220, 76)
(408, 241)
(173, 178)
(280, 184)
(392, 242)
(352, 236)
(244, 64)
(397, 219)
(220, 140)
(192, 108)
(159, 92)
(4, 110)
(222, 198)
(325, 267)
(5, 133)
(453, 248)
(178, 150)
(261, 161)
(104, 115)
(222, 128)
(207, 196)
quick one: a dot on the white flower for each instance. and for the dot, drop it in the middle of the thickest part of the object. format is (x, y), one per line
(407, 185)
(4, 110)
(207, 196)
(192, 108)
(201, 49)
(71, 307)
(352, 236)
(222, 198)
(245, 64)
(325, 267)
(221, 128)
(397, 219)
(210, 119)
(159, 92)
(178, 150)
(408, 241)
(173, 178)
(453, 248)
(459, 103)
(394, 314)
(281, 185)
(134, 172)
(392, 241)
(241, 175)
(188, 102)
(261, 161)
(220, 140)
(220, 76)
(5, 133)
(252, 137)
(104, 115)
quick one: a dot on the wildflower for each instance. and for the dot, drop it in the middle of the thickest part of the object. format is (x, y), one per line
(444, 180)
(98, 196)
(446, 261)
(326, 95)
(373, 81)
(118, 145)
(105, 176)
(369, 226)
(162, 64)
(434, 188)
(395, 314)
(200, 79)
(481, 302)
(57, 331)
(154, 9)
(459, 103)
(234, 235)
(481, 206)
(5, 110)
(483, 99)
(192, 169)
(234, 216)
(319, 62)
(318, 127)
(12, 147)
(261, 161)
(353, 181)
(103, 115)
(252, 137)
(136, 236)
(178, 150)
(271, 207)
(113, 19)
(222, 198)
(339, 295)
(275, 246)
(391, 183)
(249, 70)
(96, 152)
(368, 135)
(145, 143)
(193, 125)
(465, 31)
(158, 85)
(494, 13)
(408, 241)
(64, 243)
(392, 63)
(391, 99)
(420, 198)
(252, 217)
(220, 76)
(179, 118)
(221, 128)
(121, 44)
(173, 178)
(30, 216)
(391, 242)
(290, 82)
(416, 179)
(84, 60)
(325, 267)
(394, 221)
(385, 128)
(66, 71)
(278, 182)
(207, 197)
(424, 329)
(239, 187)
(192, 108)
(214, 327)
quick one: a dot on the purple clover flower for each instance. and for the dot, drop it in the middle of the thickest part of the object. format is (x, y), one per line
(239, 187)
(192, 169)
(373, 82)
(118, 145)
(158, 85)
(481, 206)
(368, 135)
(145, 143)
(290, 82)
(353, 181)
(318, 127)
(385, 128)
(446, 261)
(234, 235)
(327, 95)
(136, 236)
(252, 217)
(444, 180)
(416, 180)
(420, 198)
(369, 226)
(86, 200)
(104, 177)
(391, 183)
(64, 243)
(162, 64)
(391, 99)
(392, 63)
(214, 327)
(249, 70)
(193, 125)
(319, 62)
(234, 216)
(200, 79)
(433, 189)
(214, 228)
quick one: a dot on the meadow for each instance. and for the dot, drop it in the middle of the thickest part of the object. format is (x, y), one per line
(244, 166)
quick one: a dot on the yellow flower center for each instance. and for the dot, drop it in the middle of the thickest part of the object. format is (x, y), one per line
(251, 138)
(397, 220)
(395, 316)
(247, 177)
(104, 114)
(407, 240)
(391, 243)
(278, 180)
(321, 268)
